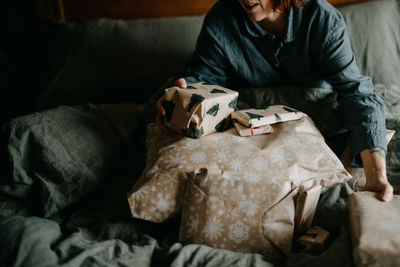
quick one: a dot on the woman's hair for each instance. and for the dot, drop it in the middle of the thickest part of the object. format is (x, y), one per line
(286, 5)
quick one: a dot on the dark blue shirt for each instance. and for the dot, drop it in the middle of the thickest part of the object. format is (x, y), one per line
(235, 52)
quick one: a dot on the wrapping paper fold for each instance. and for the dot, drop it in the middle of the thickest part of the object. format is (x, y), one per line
(374, 229)
(198, 110)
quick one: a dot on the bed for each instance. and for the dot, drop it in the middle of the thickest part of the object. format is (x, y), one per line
(69, 159)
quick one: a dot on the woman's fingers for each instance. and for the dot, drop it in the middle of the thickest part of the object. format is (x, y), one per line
(161, 114)
(181, 82)
(160, 106)
(387, 192)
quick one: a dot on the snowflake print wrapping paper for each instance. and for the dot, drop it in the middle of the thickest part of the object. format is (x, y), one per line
(199, 109)
(252, 216)
(374, 227)
(170, 158)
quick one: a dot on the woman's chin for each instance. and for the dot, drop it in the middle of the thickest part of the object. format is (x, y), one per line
(255, 17)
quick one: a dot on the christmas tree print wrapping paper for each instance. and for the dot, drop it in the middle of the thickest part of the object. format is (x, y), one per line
(374, 226)
(273, 114)
(199, 109)
(158, 194)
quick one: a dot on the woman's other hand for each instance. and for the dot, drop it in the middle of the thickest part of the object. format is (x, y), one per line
(160, 109)
(375, 173)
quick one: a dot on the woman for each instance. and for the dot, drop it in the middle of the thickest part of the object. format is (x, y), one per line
(260, 43)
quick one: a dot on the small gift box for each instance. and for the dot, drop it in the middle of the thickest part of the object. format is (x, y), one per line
(270, 115)
(198, 110)
(247, 131)
(374, 226)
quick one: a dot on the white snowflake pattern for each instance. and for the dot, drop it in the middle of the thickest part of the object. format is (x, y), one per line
(243, 150)
(260, 164)
(229, 177)
(214, 200)
(252, 178)
(162, 203)
(221, 156)
(141, 193)
(213, 228)
(236, 164)
(191, 144)
(291, 142)
(238, 232)
(281, 158)
(173, 161)
(220, 212)
(193, 224)
(249, 206)
(198, 157)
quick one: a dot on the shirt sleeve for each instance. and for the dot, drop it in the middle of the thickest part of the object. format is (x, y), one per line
(208, 63)
(363, 110)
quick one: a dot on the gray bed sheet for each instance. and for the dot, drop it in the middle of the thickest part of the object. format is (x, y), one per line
(63, 198)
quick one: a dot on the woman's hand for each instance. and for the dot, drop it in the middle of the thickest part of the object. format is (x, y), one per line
(375, 173)
(160, 109)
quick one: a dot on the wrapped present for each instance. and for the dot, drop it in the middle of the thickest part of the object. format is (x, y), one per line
(198, 110)
(270, 115)
(374, 226)
(249, 131)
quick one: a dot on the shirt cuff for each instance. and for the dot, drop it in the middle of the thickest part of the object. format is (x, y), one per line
(362, 138)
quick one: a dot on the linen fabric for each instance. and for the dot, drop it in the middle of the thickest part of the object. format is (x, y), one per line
(374, 228)
(314, 52)
(199, 109)
(269, 115)
(158, 194)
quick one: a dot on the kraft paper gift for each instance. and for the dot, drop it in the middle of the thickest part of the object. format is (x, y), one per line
(237, 215)
(248, 131)
(158, 194)
(270, 115)
(198, 110)
(374, 226)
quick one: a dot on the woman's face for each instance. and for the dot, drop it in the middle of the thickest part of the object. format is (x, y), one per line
(257, 10)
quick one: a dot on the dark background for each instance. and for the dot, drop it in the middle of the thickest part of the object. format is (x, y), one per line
(23, 57)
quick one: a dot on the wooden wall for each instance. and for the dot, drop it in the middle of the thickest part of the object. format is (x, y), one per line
(81, 10)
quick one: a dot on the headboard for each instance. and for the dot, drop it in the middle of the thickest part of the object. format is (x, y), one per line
(81, 10)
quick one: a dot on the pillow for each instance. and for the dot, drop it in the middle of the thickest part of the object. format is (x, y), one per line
(107, 60)
(374, 31)
(157, 195)
(57, 156)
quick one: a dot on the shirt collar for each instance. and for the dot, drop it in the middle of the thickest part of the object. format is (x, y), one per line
(292, 27)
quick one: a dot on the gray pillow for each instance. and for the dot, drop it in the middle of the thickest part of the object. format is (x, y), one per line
(374, 31)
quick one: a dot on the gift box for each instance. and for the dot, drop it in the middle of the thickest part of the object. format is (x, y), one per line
(374, 226)
(248, 131)
(270, 115)
(199, 109)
